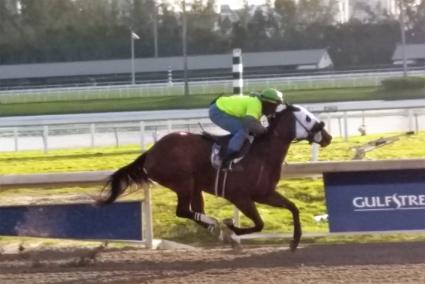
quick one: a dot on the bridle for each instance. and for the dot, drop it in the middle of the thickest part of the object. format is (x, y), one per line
(311, 133)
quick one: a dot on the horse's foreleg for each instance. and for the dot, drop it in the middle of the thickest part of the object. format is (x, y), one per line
(277, 200)
(188, 206)
(247, 207)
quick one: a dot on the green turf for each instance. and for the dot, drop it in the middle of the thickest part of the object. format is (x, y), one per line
(194, 101)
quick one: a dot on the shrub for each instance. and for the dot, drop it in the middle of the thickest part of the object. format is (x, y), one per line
(407, 83)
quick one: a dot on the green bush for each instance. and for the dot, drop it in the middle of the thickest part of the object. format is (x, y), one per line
(408, 83)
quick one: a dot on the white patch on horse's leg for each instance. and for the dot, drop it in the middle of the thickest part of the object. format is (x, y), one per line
(204, 219)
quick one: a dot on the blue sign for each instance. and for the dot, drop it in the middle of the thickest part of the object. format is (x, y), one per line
(117, 221)
(387, 200)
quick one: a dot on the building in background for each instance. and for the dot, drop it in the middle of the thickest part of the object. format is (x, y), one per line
(415, 55)
(156, 69)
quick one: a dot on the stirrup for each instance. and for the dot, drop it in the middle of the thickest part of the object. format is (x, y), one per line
(231, 166)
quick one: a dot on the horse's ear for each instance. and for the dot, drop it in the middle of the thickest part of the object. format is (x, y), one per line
(281, 107)
(292, 108)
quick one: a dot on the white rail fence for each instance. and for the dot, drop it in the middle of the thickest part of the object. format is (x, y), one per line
(198, 87)
(91, 134)
(288, 171)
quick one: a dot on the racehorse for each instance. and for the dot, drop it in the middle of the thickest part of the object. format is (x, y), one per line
(181, 162)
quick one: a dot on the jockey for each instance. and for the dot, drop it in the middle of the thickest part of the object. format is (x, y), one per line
(240, 115)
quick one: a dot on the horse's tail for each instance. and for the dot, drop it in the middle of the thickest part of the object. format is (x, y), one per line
(119, 181)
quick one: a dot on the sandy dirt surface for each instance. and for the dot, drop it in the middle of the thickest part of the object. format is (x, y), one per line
(354, 263)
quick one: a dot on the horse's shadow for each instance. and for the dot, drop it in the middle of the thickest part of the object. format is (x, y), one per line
(314, 255)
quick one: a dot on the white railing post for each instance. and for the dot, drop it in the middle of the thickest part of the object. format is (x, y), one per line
(142, 135)
(147, 217)
(345, 118)
(416, 123)
(92, 134)
(340, 127)
(45, 139)
(314, 152)
(117, 142)
(15, 139)
(410, 119)
(362, 128)
(328, 122)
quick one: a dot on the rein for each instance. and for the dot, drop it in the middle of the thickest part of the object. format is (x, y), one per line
(310, 133)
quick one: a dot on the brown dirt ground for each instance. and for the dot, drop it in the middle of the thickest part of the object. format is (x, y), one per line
(353, 263)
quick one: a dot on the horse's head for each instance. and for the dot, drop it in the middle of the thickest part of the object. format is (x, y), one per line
(306, 125)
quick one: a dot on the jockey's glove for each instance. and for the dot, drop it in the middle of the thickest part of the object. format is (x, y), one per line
(253, 125)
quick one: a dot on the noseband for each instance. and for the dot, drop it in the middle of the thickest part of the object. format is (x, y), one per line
(317, 127)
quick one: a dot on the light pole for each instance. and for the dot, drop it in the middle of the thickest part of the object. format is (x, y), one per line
(155, 29)
(403, 38)
(184, 47)
(133, 36)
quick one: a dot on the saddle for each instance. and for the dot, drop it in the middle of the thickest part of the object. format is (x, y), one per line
(219, 147)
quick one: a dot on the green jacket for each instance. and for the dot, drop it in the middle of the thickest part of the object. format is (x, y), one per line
(240, 106)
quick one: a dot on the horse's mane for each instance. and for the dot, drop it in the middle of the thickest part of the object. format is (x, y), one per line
(274, 121)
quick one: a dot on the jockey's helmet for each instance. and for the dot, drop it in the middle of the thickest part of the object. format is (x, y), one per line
(271, 95)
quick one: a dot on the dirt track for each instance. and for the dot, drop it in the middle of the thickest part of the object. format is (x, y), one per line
(367, 263)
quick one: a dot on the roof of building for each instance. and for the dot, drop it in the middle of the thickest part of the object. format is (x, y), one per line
(413, 51)
(160, 64)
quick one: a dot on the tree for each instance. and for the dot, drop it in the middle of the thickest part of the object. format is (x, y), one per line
(239, 35)
(415, 12)
(257, 32)
(363, 44)
(316, 12)
(169, 28)
(203, 37)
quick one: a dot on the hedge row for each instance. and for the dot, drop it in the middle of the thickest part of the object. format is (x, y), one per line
(407, 83)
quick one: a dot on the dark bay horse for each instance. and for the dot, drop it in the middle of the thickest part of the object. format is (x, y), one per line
(181, 161)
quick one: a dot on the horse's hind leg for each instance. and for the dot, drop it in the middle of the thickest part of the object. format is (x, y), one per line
(197, 204)
(184, 207)
(247, 207)
(277, 200)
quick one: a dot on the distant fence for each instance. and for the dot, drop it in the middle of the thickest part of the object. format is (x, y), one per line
(53, 133)
(288, 170)
(198, 87)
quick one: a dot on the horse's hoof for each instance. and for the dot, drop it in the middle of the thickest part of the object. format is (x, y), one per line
(227, 236)
(215, 229)
(229, 222)
(225, 233)
(293, 245)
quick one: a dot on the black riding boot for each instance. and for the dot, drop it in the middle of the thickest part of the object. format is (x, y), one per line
(227, 159)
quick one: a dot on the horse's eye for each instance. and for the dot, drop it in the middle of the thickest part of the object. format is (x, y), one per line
(308, 119)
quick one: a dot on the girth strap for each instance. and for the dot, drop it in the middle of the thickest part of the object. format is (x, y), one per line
(223, 184)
